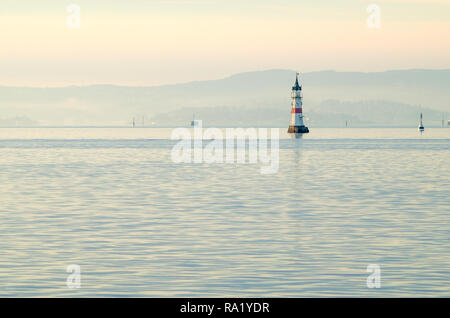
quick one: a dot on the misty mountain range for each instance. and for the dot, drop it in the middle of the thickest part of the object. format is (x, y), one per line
(392, 98)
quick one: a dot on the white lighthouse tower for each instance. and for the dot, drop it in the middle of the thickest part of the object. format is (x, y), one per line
(297, 126)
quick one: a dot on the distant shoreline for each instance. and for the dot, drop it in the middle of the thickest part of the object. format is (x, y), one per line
(231, 126)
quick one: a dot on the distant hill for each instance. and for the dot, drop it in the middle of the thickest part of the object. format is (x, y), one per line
(330, 98)
(18, 121)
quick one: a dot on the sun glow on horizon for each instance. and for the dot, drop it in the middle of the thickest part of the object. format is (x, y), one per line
(180, 41)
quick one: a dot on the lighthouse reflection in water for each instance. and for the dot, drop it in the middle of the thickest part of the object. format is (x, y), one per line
(296, 135)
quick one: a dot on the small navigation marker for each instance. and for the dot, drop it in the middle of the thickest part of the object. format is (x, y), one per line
(194, 123)
(421, 128)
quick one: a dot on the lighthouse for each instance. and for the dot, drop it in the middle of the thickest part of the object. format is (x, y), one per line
(297, 126)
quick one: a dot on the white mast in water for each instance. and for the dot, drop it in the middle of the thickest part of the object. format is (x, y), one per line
(421, 128)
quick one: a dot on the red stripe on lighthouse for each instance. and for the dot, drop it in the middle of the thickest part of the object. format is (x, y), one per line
(296, 110)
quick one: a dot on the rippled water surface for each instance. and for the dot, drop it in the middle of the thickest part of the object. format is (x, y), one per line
(112, 201)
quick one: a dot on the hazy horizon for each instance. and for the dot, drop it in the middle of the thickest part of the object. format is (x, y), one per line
(391, 99)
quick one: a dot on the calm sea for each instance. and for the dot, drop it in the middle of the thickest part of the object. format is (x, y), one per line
(111, 201)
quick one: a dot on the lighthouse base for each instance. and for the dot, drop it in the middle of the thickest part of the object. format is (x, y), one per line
(298, 129)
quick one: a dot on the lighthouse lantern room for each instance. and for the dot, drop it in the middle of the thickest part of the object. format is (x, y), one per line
(297, 126)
